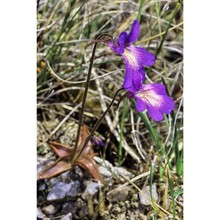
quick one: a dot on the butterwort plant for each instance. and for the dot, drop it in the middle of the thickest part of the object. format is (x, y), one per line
(150, 97)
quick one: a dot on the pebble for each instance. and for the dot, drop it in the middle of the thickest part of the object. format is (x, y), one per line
(74, 188)
(64, 176)
(42, 187)
(40, 214)
(41, 163)
(105, 171)
(61, 190)
(53, 181)
(146, 191)
(67, 217)
(119, 194)
(120, 171)
(50, 209)
(108, 170)
(91, 189)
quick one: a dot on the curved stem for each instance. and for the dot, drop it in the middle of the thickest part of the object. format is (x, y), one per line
(98, 123)
(85, 94)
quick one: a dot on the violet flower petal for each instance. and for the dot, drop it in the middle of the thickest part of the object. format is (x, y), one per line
(134, 76)
(121, 42)
(144, 57)
(140, 105)
(134, 33)
(111, 44)
(154, 98)
(138, 57)
(155, 113)
(118, 47)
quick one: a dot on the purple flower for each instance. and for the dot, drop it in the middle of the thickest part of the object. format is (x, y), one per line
(154, 98)
(135, 58)
(98, 141)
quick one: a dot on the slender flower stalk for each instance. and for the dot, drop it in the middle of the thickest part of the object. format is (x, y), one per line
(86, 91)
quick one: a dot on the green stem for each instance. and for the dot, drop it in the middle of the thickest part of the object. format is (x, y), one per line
(85, 95)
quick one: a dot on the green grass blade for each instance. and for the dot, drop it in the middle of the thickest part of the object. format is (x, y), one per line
(178, 192)
(158, 17)
(154, 135)
(172, 196)
(139, 11)
(178, 5)
(66, 27)
(178, 154)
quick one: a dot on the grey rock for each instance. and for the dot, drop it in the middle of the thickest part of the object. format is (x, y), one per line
(119, 194)
(61, 190)
(67, 217)
(50, 209)
(105, 171)
(120, 171)
(146, 191)
(42, 187)
(78, 172)
(41, 163)
(74, 188)
(91, 189)
(108, 170)
(53, 181)
(58, 191)
(40, 214)
(64, 176)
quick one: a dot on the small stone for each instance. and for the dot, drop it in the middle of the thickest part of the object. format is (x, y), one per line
(135, 205)
(50, 209)
(61, 190)
(53, 181)
(146, 191)
(74, 188)
(40, 214)
(127, 204)
(64, 176)
(105, 171)
(42, 187)
(120, 171)
(77, 173)
(91, 189)
(58, 191)
(116, 209)
(108, 170)
(42, 163)
(121, 216)
(118, 194)
(67, 217)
